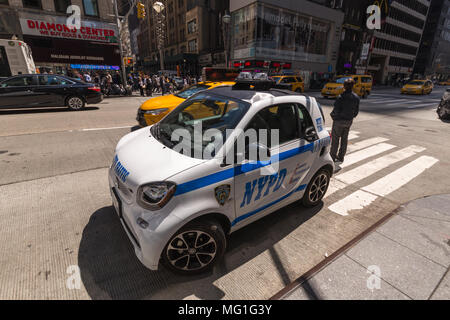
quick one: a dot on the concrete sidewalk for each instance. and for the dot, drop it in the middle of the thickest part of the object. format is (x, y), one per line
(408, 257)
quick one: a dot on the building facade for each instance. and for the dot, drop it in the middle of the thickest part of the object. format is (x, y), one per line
(55, 45)
(394, 48)
(434, 54)
(354, 35)
(300, 36)
(191, 31)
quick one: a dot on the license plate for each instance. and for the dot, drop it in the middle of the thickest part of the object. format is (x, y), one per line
(116, 202)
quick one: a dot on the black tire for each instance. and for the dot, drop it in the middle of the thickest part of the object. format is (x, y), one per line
(317, 188)
(75, 103)
(299, 90)
(182, 255)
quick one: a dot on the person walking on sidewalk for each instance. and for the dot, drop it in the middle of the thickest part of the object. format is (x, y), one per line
(346, 108)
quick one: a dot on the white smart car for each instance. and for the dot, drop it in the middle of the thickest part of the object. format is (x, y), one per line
(178, 206)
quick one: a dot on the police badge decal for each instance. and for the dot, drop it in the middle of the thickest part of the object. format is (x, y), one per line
(222, 193)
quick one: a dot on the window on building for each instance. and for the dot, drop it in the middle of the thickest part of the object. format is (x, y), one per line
(91, 7)
(61, 5)
(5, 2)
(192, 45)
(35, 4)
(183, 49)
(192, 26)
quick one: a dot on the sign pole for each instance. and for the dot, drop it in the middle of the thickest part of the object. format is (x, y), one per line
(122, 65)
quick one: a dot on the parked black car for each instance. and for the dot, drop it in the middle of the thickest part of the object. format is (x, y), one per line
(49, 90)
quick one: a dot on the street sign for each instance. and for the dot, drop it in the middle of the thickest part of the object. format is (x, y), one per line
(365, 51)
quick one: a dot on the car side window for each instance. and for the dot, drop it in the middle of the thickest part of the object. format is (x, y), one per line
(305, 120)
(49, 80)
(18, 82)
(281, 118)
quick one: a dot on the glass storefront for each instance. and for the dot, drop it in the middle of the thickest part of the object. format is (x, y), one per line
(265, 32)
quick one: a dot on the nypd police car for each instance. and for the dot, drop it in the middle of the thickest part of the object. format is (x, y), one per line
(178, 206)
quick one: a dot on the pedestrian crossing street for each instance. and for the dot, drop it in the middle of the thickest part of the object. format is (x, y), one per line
(374, 155)
(384, 100)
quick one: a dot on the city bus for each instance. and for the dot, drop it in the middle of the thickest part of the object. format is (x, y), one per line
(15, 58)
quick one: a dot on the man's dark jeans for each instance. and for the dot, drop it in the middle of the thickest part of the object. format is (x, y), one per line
(339, 134)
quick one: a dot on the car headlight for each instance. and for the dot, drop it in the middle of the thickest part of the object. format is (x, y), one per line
(155, 112)
(155, 195)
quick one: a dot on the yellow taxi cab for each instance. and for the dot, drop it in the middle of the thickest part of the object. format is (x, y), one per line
(444, 83)
(362, 87)
(294, 83)
(153, 110)
(418, 87)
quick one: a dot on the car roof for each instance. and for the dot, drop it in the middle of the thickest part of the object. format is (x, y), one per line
(247, 95)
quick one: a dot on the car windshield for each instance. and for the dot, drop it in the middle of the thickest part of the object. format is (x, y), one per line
(277, 79)
(209, 116)
(340, 80)
(417, 83)
(189, 92)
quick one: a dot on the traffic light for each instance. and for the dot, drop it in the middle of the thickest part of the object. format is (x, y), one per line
(140, 10)
(128, 61)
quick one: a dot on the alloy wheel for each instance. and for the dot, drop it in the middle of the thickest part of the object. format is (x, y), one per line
(75, 103)
(191, 250)
(318, 188)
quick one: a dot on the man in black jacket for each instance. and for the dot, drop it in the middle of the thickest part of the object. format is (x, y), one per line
(346, 108)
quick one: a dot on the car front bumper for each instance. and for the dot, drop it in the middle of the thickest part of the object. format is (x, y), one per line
(145, 119)
(148, 243)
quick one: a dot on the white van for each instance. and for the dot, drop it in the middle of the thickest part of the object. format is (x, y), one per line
(15, 58)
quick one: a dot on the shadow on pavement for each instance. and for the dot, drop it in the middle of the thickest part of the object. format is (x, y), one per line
(25, 110)
(110, 269)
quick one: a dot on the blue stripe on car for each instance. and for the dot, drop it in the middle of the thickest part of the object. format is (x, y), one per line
(238, 170)
(248, 215)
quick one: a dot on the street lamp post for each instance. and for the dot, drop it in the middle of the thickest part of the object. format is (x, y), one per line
(226, 20)
(158, 6)
(116, 13)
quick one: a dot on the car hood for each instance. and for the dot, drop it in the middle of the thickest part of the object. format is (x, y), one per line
(170, 101)
(145, 159)
(413, 86)
(334, 85)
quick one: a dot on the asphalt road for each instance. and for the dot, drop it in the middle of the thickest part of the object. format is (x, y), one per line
(57, 218)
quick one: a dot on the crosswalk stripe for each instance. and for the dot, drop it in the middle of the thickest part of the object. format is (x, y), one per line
(365, 143)
(421, 105)
(403, 102)
(400, 177)
(356, 201)
(364, 197)
(368, 169)
(351, 136)
(335, 186)
(389, 101)
(366, 153)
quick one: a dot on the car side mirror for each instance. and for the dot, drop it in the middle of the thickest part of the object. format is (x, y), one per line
(310, 134)
(257, 152)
